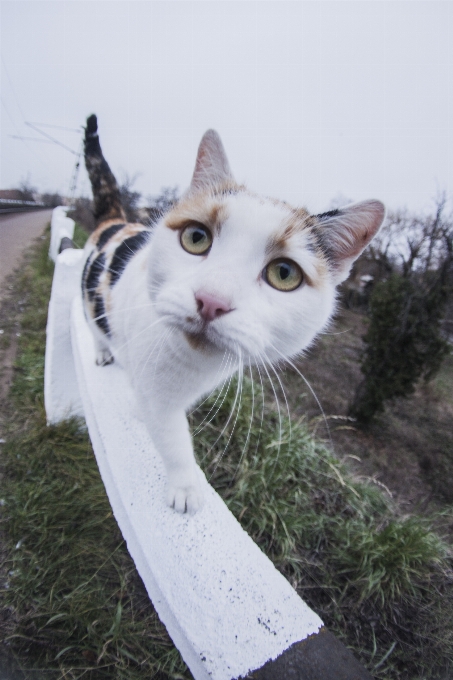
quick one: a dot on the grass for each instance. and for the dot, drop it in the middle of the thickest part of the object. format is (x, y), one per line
(74, 605)
(378, 580)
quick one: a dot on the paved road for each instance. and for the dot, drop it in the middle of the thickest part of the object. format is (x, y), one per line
(17, 231)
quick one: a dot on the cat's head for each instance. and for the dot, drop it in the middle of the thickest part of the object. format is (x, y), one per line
(234, 270)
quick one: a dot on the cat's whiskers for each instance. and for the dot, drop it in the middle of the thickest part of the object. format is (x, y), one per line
(154, 323)
(205, 422)
(262, 407)
(106, 314)
(230, 378)
(245, 447)
(133, 338)
(291, 363)
(214, 388)
(282, 387)
(170, 330)
(238, 394)
(280, 425)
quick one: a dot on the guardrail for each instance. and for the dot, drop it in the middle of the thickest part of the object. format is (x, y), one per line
(228, 610)
(10, 205)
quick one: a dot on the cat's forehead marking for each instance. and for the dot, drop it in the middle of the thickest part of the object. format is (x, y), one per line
(296, 220)
(201, 207)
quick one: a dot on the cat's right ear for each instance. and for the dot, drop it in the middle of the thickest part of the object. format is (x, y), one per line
(211, 166)
(343, 234)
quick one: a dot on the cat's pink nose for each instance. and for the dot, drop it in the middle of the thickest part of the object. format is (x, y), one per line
(210, 307)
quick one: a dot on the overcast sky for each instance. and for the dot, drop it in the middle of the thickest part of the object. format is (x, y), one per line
(312, 99)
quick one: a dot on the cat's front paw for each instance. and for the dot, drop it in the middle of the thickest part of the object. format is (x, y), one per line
(104, 357)
(185, 498)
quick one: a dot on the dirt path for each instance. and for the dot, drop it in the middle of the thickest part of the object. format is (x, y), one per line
(17, 231)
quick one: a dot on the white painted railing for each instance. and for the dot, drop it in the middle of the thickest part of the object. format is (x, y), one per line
(226, 607)
(61, 391)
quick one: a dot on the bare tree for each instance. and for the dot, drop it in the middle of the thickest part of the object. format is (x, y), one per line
(130, 199)
(27, 190)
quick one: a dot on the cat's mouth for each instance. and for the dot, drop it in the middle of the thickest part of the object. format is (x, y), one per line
(199, 341)
(200, 336)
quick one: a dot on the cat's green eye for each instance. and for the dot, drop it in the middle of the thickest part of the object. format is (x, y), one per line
(196, 239)
(284, 275)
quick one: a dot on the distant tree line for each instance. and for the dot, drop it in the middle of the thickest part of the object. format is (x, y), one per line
(137, 208)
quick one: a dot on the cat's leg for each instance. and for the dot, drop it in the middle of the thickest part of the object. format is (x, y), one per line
(103, 353)
(104, 357)
(169, 431)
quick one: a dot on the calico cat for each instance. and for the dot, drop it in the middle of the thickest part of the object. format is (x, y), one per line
(225, 278)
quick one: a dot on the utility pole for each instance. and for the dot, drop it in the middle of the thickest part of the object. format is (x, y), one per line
(75, 175)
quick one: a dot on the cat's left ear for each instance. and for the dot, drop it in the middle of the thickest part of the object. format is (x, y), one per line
(343, 234)
(211, 166)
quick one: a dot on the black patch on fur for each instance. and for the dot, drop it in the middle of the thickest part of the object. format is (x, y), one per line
(328, 214)
(321, 234)
(84, 274)
(124, 253)
(108, 233)
(99, 314)
(92, 278)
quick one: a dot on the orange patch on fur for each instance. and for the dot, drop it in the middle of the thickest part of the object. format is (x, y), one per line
(129, 229)
(296, 221)
(94, 236)
(200, 207)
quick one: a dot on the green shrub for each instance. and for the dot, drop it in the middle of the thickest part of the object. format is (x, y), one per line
(403, 342)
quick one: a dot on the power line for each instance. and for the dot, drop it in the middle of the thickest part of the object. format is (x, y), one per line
(59, 127)
(56, 141)
(31, 139)
(52, 140)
